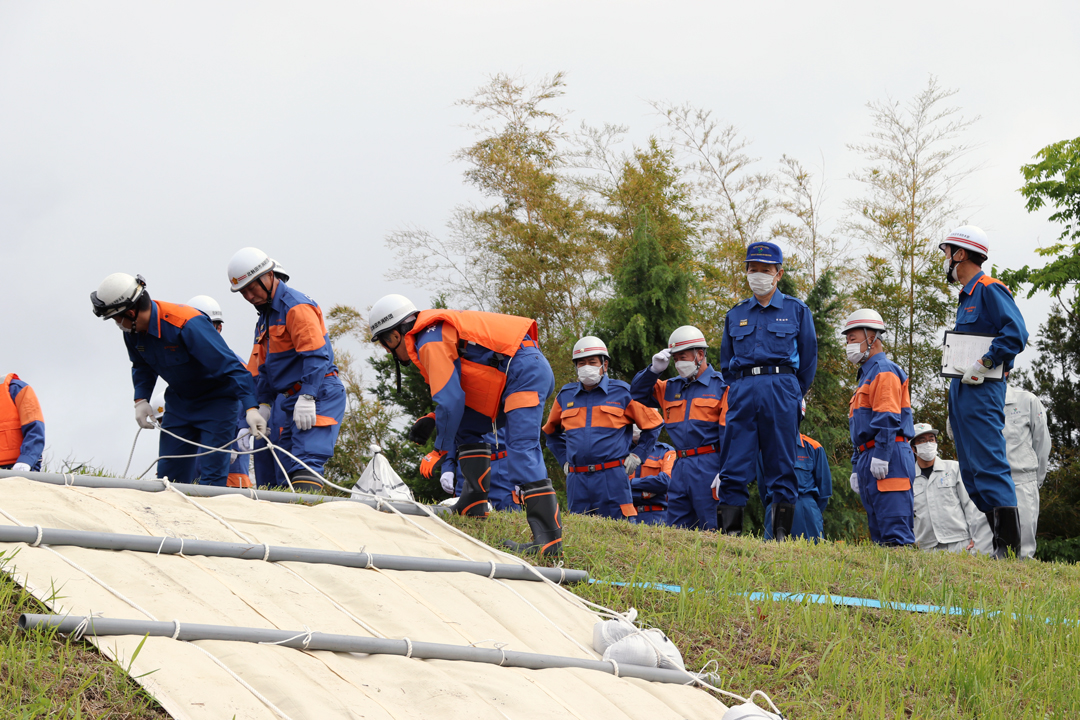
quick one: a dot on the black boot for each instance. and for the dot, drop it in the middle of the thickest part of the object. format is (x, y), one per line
(729, 519)
(304, 481)
(783, 515)
(474, 460)
(993, 533)
(1006, 532)
(542, 512)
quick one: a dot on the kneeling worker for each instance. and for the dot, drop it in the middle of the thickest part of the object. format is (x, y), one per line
(22, 427)
(590, 432)
(649, 483)
(881, 428)
(483, 369)
(208, 385)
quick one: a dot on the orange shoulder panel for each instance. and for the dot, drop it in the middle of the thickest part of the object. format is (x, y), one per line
(306, 327)
(885, 393)
(644, 417)
(29, 408)
(987, 281)
(501, 333)
(175, 315)
(435, 359)
(811, 442)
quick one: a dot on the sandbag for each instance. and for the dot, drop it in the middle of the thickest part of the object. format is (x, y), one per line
(748, 711)
(379, 478)
(650, 648)
(608, 632)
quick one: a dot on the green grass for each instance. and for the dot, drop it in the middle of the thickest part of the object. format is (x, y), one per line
(819, 661)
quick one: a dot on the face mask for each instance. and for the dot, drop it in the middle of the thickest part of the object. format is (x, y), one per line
(761, 284)
(589, 374)
(686, 368)
(855, 355)
(950, 270)
(927, 451)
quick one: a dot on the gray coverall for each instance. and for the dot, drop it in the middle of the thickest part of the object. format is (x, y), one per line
(1027, 446)
(945, 517)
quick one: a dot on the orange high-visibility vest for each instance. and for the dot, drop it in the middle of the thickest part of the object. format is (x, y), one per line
(11, 436)
(503, 334)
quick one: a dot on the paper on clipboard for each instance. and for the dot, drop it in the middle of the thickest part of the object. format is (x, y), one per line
(964, 350)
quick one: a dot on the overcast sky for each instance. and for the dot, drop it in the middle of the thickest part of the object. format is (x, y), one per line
(159, 138)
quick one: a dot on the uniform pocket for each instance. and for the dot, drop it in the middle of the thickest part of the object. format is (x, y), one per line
(705, 409)
(573, 418)
(675, 412)
(608, 416)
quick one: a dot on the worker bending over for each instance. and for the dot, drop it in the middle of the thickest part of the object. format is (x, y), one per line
(590, 432)
(485, 371)
(208, 385)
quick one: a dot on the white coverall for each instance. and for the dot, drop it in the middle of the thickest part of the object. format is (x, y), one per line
(945, 517)
(1027, 446)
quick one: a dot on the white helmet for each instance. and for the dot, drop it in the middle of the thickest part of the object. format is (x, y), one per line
(923, 429)
(246, 265)
(281, 272)
(117, 293)
(589, 346)
(157, 404)
(686, 338)
(864, 318)
(209, 306)
(970, 238)
(389, 312)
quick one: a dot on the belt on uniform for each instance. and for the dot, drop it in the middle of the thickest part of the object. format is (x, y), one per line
(498, 455)
(597, 468)
(870, 443)
(703, 450)
(296, 386)
(765, 370)
(650, 508)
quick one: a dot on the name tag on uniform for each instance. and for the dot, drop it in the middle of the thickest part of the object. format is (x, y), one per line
(743, 323)
(569, 405)
(678, 396)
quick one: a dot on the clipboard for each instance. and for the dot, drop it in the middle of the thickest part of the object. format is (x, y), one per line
(965, 349)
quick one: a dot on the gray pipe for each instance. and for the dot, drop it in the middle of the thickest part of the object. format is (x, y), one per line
(93, 481)
(247, 551)
(101, 627)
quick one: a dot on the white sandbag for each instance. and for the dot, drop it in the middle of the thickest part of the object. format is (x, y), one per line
(379, 478)
(608, 632)
(748, 711)
(650, 648)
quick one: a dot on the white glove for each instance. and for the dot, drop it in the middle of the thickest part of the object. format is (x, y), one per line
(660, 361)
(243, 442)
(854, 482)
(20, 467)
(256, 423)
(447, 482)
(974, 375)
(715, 482)
(566, 468)
(879, 468)
(631, 464)
(144, 415)
(303, 415)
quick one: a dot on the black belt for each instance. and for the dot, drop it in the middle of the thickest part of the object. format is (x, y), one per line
(765, 370)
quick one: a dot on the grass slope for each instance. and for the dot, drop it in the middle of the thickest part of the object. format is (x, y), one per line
(815, 661)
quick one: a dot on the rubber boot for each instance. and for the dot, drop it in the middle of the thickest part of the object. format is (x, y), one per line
(783, 515)
(474, 461)
(1006, 532)
(729, 519)
(542, 512)
(993, 533)
(304, 481)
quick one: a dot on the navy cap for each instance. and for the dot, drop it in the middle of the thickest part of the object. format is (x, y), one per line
(764, 252)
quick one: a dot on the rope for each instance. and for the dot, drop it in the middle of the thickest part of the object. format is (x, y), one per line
(408, 648)
(176, 629)
(132, 453)
(37, 540)
(491, 575)
(305, 642)
(614, 667)
(266, 552)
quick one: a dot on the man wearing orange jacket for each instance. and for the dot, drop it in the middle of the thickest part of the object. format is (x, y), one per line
(484, 371)
(22, 428)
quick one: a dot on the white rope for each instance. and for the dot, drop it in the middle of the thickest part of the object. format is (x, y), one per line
(132, 453)
(84, 624)
(69, 480)
(491, 575)
(266, 552)
(615, 667)
(37, 540)
(305, 642)
(370, 563)
(408, 648)
(243, 682)
(176, 630)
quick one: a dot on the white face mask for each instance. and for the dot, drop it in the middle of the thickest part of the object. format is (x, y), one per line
(855, 355)
(926, 451)
(950, 271)
(761, 284)
(686, 368)
(589, 374)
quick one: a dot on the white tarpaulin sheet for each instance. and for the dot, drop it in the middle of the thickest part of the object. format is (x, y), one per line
(217, 679)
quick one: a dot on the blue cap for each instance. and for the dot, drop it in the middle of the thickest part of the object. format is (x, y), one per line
(764, 252)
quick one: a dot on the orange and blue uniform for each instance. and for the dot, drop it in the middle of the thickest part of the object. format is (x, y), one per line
(208, 387)
(815, 488)
(882, 427)
(592, 430)
(649, 485)
(22, 426)
(977, 412)
(294, 357)
(485, 371)
(267, 472)
(694, 414)
(769, 357)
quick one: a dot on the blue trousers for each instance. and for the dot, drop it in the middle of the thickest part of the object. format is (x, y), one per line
(209, 422)
(528, 371)
(690, 500)
(977, 416)
(267, 471)
(604, 492)
(808, 522)
(890, 515)
(762, 416)
(651, 517)
(316, 445)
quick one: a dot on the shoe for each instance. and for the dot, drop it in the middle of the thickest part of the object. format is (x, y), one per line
(729, 519)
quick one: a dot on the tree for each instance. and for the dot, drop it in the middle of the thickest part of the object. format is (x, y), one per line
(913, 159)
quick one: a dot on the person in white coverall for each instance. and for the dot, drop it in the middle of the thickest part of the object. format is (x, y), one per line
(1027, 446)
(945, 517)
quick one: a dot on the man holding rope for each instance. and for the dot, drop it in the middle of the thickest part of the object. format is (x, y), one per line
(208, 385)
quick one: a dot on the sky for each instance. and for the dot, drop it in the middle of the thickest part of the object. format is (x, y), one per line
(159, 138)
